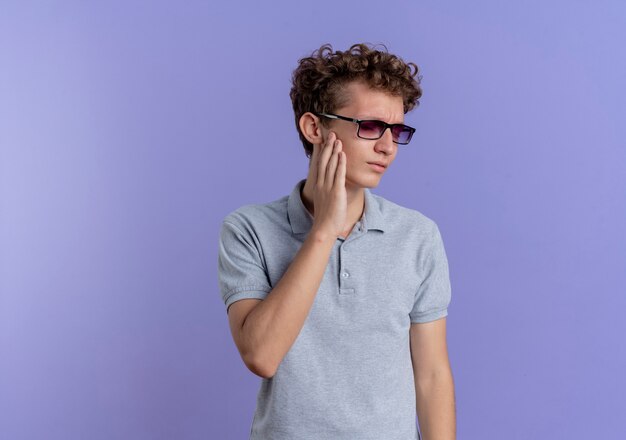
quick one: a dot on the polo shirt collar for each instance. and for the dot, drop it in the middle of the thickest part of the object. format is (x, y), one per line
(301, 220)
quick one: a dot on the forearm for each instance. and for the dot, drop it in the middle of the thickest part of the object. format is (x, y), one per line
(435, 402)
(273, 325)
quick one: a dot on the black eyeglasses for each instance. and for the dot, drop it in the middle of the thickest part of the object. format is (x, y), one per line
(374, 129)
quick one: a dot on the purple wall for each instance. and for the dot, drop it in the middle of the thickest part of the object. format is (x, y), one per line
(129, 129)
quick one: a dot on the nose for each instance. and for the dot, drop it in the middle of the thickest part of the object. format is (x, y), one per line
(385, 142)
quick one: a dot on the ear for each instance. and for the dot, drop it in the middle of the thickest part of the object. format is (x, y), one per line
(312, 129)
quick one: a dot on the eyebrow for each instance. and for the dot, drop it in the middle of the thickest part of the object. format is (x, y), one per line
(377, 118)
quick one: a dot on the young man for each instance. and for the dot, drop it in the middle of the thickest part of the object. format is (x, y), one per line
(338, 297)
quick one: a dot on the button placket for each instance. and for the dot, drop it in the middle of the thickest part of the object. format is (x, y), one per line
(345, 284)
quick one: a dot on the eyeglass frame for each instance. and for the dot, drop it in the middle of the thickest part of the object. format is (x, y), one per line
(358, 122)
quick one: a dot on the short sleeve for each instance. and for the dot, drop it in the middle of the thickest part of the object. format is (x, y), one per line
(241, 273)
(434, 293)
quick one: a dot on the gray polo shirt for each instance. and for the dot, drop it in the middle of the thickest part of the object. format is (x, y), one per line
(349, 373)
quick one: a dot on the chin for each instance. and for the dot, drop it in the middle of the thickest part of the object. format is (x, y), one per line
(369, 181)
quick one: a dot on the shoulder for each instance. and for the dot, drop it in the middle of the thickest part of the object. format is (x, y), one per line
(258, 216)
(405, 219)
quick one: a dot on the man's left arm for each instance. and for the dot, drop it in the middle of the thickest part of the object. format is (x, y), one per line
(434, 385)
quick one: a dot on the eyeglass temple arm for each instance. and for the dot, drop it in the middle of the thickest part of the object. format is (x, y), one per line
(340, 117)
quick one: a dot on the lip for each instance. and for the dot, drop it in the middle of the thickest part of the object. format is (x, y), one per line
(377, 167)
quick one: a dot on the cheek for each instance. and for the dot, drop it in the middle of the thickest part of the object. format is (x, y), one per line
(351, 156)
(353, 150)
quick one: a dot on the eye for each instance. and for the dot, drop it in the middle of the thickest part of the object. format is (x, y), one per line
(370, 128)
(401, 133)
(399, 130)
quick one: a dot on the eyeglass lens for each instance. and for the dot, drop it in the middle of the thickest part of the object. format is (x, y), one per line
(374, 130)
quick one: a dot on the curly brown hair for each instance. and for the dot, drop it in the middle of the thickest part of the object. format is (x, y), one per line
(319, 80)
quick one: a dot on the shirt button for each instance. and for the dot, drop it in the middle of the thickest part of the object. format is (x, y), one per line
(345, 274)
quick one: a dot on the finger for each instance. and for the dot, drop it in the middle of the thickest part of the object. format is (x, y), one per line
(323, 160)
(332, 166)
(340, 179)
(313, 162)
(315, 158)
